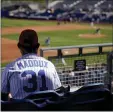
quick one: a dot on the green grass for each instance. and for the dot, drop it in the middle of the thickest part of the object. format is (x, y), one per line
(69, 38)
(5, 22)
(4, 64)
(20, 23)
(89, 60)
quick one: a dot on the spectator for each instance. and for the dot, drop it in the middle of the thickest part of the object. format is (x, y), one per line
(29, 73)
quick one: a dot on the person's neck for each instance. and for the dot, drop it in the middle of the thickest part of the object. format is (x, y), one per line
(25, 53)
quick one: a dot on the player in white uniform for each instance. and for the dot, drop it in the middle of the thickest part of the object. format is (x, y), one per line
(29, 73)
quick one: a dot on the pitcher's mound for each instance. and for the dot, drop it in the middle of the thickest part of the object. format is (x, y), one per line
(91, 35)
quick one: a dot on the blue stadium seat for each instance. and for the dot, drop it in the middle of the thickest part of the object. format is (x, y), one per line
(92, 97)
(59, 92)
(43, 95)
(18, 105)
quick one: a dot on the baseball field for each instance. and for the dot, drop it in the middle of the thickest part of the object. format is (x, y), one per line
(60, 35)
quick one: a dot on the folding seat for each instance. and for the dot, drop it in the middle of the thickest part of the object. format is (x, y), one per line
(91, 97)
(51, 99)
(43, 95)
(18, 105)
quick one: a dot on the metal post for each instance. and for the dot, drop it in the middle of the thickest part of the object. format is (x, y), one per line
(80, 51)
(59, 53)
(100, 49)
(47, 1)
(41, 52)
(109, 68)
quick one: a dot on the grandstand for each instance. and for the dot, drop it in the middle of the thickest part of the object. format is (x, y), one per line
(86, 4)
(108, 4)
(74, 9)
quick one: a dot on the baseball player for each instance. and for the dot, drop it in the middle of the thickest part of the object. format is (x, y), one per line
(47, 41)
(92, 23)
(30, 72)
(97, 31)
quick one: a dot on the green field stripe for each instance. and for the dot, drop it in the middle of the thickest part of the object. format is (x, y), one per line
(5, 22)
(20, 23)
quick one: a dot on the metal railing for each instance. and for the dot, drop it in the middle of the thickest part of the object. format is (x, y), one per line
(79, 48)
(96, 63)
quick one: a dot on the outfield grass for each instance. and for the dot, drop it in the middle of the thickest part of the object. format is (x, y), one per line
(89, 60)
(68, 38)
(5, 22)
(20, 23)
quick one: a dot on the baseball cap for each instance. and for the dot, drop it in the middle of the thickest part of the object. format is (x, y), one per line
(28, 38)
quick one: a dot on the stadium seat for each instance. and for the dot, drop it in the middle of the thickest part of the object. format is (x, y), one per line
(18, 105)
(92, 97)
(43, 100)
(30, 105)
(49, 94)
(51, 99)
(41, 94)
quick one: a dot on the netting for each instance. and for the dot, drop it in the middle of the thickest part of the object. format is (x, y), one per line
(96, 70)
(81, 78)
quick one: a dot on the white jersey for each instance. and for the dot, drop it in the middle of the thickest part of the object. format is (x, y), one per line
(92, 24)
(29, 74)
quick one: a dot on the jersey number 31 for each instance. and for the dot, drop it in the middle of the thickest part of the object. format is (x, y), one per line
(33, 80)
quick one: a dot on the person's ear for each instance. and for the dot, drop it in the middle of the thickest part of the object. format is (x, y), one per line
(20, 48)
(38, 44)
(18, 45)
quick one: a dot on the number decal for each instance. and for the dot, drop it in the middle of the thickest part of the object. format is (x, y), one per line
(32, 80)
(42, 74)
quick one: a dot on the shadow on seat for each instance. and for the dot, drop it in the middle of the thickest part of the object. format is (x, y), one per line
(92, 97)
(35, 101)
(43, 94)
(18, 105)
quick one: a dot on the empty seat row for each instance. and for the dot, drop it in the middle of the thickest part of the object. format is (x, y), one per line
(92, 97)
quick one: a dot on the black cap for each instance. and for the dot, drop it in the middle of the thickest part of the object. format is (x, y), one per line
(28, 38)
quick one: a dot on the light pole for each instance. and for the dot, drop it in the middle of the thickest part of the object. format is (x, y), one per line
(47, 1)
